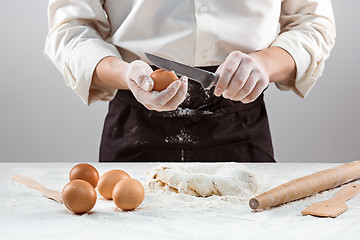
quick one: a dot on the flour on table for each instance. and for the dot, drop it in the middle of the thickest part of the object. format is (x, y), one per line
(203, 180)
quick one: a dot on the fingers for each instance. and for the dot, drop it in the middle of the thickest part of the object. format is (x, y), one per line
(139, 72)
(137, 91)
(141, 85)
(241, 78)
(238, 81)
(163, 97)
(255, 93)
(179, 96)
(166, 100)
(226, 72)
(145, 82)
(177, 99)
(248, 86)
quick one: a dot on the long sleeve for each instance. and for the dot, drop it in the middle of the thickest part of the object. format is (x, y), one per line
(75, 44)
(307, 33)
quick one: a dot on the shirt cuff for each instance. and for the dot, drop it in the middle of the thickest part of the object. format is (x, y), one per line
(308, 67)
(80, 66)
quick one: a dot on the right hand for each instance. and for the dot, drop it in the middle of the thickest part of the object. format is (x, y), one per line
(141, 85)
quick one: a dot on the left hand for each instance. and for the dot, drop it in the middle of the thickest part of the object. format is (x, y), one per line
(141, 85)
(241, 77)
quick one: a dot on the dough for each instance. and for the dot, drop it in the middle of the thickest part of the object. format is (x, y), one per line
(203, 180)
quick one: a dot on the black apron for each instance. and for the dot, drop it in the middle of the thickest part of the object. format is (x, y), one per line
(204, 128)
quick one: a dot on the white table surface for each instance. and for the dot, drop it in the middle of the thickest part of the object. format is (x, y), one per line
(26, 214)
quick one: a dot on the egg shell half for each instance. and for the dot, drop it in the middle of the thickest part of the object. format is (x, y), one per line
(108, 180)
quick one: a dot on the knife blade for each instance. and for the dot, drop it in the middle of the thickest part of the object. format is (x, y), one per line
(205, 78)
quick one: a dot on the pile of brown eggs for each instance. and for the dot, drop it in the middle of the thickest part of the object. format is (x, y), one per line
(79, 195)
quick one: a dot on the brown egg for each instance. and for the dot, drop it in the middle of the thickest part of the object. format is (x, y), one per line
(85, 172)
(108, 180)
(79, 196)
(128, 194)
(162, 79)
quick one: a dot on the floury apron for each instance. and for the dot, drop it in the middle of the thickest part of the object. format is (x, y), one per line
(204, 128)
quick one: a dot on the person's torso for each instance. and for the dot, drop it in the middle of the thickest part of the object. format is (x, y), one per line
(198, 33)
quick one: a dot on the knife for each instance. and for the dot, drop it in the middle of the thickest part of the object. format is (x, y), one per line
(205, 78)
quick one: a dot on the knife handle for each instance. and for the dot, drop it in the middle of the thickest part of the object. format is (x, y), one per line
(214, 81)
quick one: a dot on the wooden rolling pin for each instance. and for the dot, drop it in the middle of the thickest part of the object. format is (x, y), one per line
(306, 186)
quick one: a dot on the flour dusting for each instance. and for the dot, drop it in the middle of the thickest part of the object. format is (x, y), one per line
(166, 215)
(182, 137)
(186, 112)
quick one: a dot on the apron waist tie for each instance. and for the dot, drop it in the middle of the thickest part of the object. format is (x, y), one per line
(223, 107)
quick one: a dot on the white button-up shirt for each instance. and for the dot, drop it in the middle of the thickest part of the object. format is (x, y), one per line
(194, 32)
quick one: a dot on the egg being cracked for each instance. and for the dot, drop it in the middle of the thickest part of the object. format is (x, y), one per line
(162, 79)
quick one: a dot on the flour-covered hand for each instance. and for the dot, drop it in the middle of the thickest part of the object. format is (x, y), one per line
(141, 85)
(241, 78)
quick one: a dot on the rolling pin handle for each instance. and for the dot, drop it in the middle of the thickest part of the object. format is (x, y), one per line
(253, 203)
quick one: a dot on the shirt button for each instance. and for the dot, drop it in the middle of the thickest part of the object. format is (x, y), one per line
(204, 9)
(204, 54)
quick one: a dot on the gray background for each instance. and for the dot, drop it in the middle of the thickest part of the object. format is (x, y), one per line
(44, 121)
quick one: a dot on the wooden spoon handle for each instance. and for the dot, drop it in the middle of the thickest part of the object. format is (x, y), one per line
(348, 192)
(29, 182)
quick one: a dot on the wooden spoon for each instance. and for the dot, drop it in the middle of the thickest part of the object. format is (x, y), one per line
(46, 192)
(334, 206)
